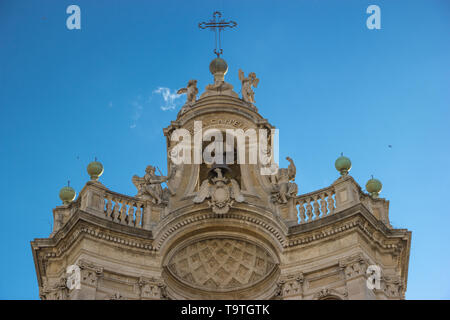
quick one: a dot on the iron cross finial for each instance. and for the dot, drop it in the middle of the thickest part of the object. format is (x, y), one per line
(217, 24)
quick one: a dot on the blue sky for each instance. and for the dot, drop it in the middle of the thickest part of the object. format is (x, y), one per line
(327, 82)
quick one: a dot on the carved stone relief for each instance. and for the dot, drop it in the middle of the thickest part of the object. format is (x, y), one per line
(218, 264)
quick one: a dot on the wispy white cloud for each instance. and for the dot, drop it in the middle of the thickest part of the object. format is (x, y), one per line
(170, 98)
(138, 108)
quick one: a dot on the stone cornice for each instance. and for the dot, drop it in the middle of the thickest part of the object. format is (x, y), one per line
(395, 241)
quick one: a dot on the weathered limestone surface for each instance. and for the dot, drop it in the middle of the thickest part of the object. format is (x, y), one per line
(273, 244)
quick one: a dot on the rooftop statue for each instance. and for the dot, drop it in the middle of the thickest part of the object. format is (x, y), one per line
(283, 188)
(247, 82)
(191, 92)
(150, 185)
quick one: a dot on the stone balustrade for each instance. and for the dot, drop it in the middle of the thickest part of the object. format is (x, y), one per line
(102, 202)
(124, 209)
(342, 194)
(315, 205)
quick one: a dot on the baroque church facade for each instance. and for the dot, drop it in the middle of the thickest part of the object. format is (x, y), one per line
(222, 230)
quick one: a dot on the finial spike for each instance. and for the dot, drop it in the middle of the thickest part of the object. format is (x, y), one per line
(68, 183)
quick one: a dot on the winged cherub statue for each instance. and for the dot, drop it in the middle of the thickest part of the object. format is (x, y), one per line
(283, 189)
(222, 191)
(191, 92)
(247, 82)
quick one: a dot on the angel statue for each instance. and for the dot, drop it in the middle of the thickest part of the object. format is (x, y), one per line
(247, 92)
(222, 191)
(150, 185)
(283, 189)
(191, 92)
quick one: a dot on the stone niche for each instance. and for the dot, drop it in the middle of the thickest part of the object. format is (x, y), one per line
(220, 267)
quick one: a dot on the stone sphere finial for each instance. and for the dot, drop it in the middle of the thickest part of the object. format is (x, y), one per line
(218, 67)
(95, 169)
(343, 165)
(374, 186)
(67, 194)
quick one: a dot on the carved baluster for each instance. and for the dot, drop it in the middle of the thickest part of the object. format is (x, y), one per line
(309, 211)
(115, 213)
(330, 202)
(123, 212)
(108, 210)
(137, 224)
(316, 208)
(131, 214)
(323, 204)
(302, 212)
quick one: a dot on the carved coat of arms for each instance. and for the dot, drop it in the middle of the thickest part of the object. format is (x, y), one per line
(221, 191)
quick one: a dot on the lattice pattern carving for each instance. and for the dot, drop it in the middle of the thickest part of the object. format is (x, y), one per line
(221, 264)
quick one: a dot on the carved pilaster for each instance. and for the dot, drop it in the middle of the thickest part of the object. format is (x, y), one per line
(290, 287)
(392, 287)
(354, 266)
(55, 291)
(89, 276)
(89, 273)
(149, 288)
(354, 269)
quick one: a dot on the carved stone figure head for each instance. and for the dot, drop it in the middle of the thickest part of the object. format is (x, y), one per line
(150, 169)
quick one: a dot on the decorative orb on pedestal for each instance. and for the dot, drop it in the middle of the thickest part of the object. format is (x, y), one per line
(343, 165)
(219, 68)
(95, 170)
(374, 186)
(67, 194)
